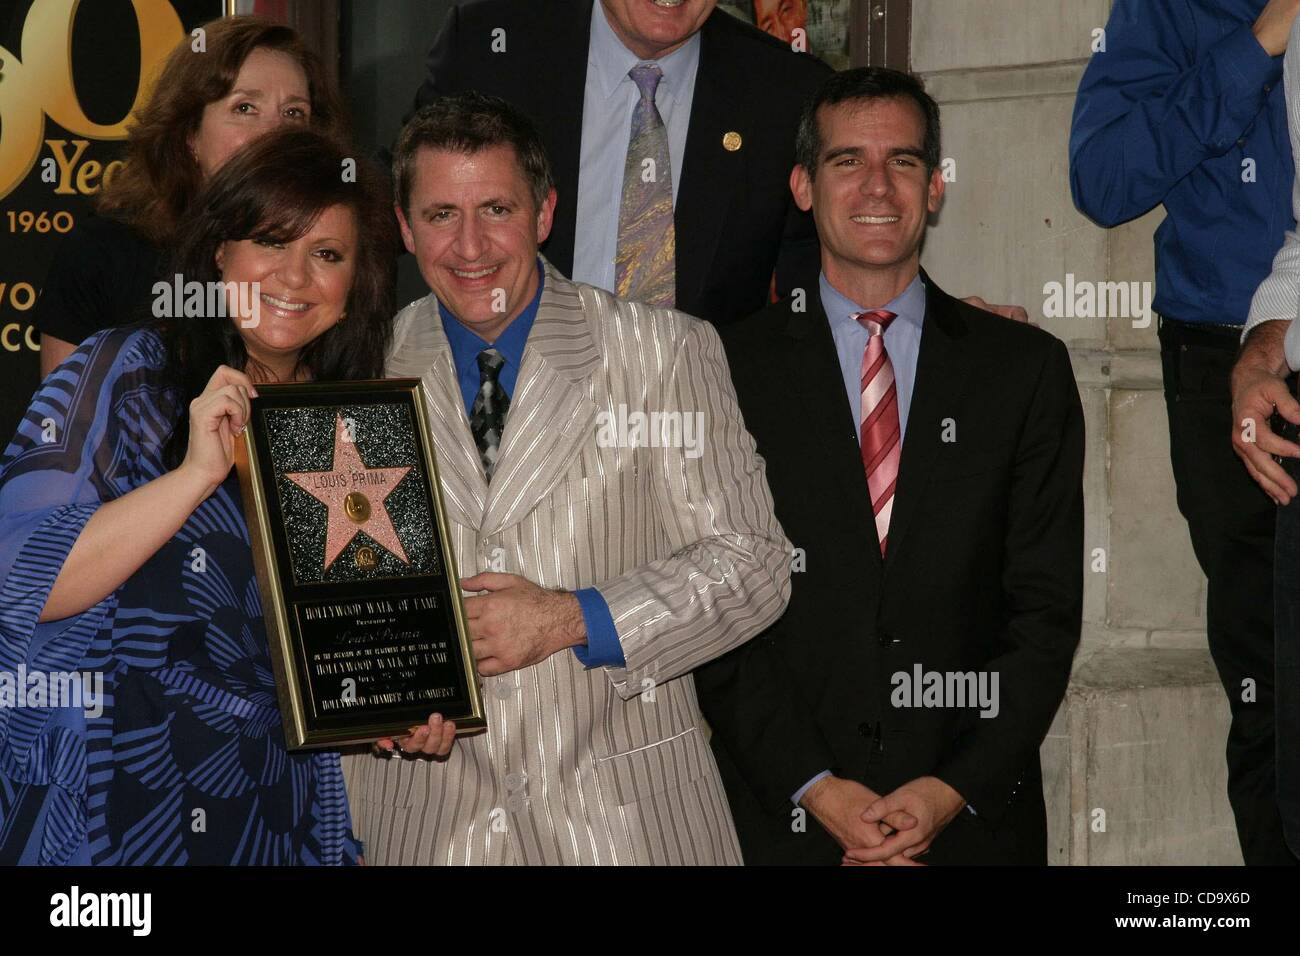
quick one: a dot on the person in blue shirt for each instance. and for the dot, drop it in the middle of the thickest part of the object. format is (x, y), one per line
(1182, 106)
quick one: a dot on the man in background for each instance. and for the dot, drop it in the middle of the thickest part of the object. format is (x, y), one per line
(670, 125)
(1183, 102)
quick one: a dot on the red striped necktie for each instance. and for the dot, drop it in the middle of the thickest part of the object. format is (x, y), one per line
(881, 435)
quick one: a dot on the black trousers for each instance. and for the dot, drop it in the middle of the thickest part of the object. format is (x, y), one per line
(1232, 525)
(1286, 603)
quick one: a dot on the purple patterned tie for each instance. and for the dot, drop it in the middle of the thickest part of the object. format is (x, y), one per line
(646, 261)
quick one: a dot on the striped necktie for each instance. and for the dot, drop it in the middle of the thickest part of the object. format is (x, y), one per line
(881, 435)
(645, 262)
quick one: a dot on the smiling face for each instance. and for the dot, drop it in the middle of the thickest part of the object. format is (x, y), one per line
(654, 28)
(304, 287)
(871, 195)
(270, 90)
(474, 228)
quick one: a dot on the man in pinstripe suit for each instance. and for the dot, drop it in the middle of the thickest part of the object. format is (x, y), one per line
(612, 559)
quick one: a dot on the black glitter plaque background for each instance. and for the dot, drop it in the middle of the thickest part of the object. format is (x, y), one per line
(302, 439)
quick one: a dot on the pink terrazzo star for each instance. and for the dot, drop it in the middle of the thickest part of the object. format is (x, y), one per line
(348, 474)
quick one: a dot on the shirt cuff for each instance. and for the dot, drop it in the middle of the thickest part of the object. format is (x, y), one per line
(1291, 345)
(799, 794)
(1249, 62)
(603, 648)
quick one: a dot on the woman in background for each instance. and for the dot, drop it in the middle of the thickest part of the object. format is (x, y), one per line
(119, 475)
(253, 77)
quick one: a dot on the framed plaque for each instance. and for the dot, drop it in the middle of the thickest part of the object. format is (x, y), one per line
(356, 572)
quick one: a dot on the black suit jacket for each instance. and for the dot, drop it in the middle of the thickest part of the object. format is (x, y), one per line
(984, 573)
(735, 219)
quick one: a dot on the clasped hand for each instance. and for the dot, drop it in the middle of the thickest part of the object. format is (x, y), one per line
(883, 831)
(917, 812)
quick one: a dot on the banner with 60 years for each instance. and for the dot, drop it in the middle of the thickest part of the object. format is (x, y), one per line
(72, 72)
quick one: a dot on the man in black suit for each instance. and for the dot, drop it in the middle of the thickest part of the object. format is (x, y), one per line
(729, 133)
(926, 461)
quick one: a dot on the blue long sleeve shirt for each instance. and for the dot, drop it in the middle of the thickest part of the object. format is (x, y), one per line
(1184, 108)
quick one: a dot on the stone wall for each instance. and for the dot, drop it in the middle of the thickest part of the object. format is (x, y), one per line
(1138, 746)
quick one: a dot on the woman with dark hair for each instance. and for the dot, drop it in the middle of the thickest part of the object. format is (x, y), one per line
(125, 558)
(251, 77)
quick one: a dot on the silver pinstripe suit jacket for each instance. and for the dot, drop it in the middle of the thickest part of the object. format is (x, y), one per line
(607, 765)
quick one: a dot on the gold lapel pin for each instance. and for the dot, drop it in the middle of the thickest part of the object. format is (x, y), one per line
(731, 141)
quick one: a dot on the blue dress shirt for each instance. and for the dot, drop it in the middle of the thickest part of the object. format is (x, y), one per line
(1170, 113)
(902, 343)
(606, 125)
(603, 647)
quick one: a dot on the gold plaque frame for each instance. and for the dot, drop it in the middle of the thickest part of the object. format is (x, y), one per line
(304, 727)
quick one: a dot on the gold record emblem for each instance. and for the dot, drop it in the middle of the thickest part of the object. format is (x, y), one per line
(731, 141)
(366, 557)
(357, 507)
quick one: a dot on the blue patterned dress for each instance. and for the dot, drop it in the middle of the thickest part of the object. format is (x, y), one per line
(186, 763)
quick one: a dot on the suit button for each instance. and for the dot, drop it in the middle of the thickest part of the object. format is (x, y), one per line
(516, 803)
(515, 781)
(864, 728)
(503, 691)
(886, 639)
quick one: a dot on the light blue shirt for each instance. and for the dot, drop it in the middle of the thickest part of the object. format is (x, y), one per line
(902, 342)
(606, 127)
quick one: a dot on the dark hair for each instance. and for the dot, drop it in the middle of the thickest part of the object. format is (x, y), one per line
(470, 123)
(274, 190)
(160, 177)
(865, 84)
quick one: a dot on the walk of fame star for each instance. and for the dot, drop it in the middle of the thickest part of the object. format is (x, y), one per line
(354, 495)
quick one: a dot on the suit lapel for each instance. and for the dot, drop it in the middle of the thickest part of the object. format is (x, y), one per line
(940, 377)
(425, 353)
(563, 107)
(705, 196)
(551, 413)
(820, 386)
